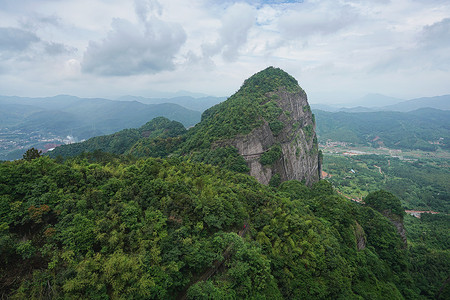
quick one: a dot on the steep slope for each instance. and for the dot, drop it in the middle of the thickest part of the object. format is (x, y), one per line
(271, 125)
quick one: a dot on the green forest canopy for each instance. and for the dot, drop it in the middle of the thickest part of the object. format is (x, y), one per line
(101, 226)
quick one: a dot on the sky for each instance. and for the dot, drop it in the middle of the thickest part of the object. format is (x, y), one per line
(336, 49)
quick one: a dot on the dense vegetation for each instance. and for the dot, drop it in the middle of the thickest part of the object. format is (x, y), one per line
(156, 138)
(429, 241)
(106, 227)
(252, 105)
(413, 130)
(421, 184)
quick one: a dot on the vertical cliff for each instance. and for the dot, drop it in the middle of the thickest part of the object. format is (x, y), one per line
(270, 123)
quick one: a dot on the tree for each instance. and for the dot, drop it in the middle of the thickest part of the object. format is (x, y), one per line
(384, 201)
(31, 154)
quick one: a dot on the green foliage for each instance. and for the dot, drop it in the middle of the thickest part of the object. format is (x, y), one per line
(271, 156)
(227, 157)
(384, 201)
(309, 131)
(271, 111)
(155, 147)
(270, 80)
(31, 154)
(207, 290)
(247, 109)
(25, 249)
(429, 238)
(156, 138)
(276, 126)
(120, 228)
(275, 180)
(422, 185)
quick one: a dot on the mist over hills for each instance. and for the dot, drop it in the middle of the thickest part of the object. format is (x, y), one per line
(189, 102)
(438, 102)
(378, 102)
(103, 114)
(41, 122)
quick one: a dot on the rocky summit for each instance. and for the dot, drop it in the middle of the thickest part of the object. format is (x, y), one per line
(269, 121)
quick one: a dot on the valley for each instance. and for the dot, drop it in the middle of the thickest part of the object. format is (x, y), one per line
(420, 179)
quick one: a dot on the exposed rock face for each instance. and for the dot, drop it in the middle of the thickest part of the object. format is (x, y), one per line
(397, 221)
(299, 157)
(360, 236)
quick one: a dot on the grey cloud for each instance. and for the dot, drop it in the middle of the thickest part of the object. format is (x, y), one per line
(435, 45)
(35, 22)
(52, 48)
(130, 49)
(432, 51)
(316, 18)
(258, 2)
(143, 8)
(437, 35)
(236, 24)
(15, 39)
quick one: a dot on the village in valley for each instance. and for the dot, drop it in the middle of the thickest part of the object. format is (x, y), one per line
(356, 171)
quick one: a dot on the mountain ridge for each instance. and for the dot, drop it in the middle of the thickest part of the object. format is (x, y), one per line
(266, 125)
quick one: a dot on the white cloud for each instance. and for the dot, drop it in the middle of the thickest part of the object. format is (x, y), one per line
(332, 47)
(147, 47)
(316, 17)
(236, 23)
(437, 35)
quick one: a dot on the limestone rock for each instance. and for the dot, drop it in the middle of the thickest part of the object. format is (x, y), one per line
(293, 130)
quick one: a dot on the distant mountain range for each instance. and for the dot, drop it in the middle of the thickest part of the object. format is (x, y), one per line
(199, 104)
(378, 102)
(41, 122)
(85, 117)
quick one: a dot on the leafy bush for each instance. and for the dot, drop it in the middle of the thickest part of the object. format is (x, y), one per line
(275, 180)
(227, 157)
(276, 126)
(271, 156)
(384, 201)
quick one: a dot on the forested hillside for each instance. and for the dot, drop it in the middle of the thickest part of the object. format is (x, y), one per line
(101, 227)
(424, 129)
(266, 129)
(143, 141)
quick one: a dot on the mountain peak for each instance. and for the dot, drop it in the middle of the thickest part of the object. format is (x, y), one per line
(270, 80)
(269, 123)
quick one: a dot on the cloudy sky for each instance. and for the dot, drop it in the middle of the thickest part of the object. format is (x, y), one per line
(336, 49)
